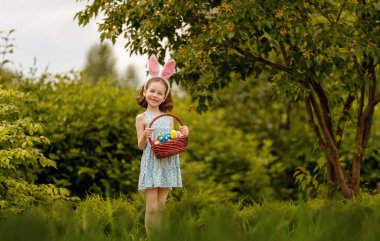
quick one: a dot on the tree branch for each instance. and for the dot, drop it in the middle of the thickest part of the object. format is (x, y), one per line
(271, 64)
(265, 61)
(367, 130)
(377, 99)
(323, 125)
(321, 12)
(340, 12)
(284, 54)
(325, 106)
(372, 77)
(314, 126)
(329, 162)
(333, 155)
(346, 108)
(364, 123)
(362, 87)
(372, 102)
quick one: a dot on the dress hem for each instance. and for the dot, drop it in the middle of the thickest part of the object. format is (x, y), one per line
(141, 190)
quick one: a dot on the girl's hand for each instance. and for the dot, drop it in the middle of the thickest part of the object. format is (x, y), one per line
(148, 132)
(184, 130)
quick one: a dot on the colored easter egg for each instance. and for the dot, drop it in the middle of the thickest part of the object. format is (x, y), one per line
(165, 137)
(173, 134)
(179, 134)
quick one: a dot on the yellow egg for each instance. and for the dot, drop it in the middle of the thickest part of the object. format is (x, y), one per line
(173, 134)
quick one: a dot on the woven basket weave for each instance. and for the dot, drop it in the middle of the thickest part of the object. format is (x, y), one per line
(170, 147)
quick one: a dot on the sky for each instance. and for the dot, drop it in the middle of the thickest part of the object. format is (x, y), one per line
(45, 30)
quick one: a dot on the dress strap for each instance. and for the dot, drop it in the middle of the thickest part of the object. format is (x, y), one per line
(148, 117)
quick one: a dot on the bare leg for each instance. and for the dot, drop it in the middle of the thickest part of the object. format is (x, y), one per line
(151, 209)
(162, 195)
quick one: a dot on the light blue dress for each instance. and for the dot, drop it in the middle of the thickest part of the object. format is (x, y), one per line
(156, 172)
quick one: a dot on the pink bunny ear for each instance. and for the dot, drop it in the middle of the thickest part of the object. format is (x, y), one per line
(168, 69)
(153, 66)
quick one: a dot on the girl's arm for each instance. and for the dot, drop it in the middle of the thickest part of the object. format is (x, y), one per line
(142, 133)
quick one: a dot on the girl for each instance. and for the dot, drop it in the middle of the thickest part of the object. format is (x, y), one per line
(157, 176)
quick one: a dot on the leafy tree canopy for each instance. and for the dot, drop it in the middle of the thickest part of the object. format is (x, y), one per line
(325, 53)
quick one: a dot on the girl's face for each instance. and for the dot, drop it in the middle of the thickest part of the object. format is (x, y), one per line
(155, 93)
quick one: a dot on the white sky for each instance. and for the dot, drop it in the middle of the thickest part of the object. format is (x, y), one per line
(46, 30)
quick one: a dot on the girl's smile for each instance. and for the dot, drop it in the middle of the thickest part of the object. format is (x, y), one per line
(155, 93)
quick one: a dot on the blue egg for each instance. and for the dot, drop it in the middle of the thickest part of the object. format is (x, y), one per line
(165, 137)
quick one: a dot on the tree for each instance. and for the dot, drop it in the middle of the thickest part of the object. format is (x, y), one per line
(100, 63)
(324, 53)
(131, 77)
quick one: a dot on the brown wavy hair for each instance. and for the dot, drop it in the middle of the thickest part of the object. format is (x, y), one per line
(165, 106)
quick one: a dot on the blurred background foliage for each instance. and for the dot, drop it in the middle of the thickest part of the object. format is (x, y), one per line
(253, 144)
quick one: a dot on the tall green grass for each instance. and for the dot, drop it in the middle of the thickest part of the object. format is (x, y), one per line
(196, 217)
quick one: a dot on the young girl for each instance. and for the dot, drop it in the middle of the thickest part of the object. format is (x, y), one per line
(157, 176)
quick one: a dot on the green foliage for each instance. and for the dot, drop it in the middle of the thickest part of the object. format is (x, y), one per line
(201, 215)
(227, 153)
(307, 182)
(20, 154)
(224, 157)
(94, 142)
(92, 129)
(254, 106)
(211, 40)
(328, 50)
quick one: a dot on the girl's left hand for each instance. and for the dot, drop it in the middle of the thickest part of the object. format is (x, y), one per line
(184, 130)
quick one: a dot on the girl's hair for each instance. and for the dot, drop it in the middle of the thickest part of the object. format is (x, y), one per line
(165, 106)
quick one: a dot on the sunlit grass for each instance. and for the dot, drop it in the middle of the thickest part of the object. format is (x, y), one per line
(196, 217)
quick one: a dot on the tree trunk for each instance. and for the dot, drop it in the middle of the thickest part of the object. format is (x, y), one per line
(331, 178)
(364, 124)
(341, 177)
(334, 169)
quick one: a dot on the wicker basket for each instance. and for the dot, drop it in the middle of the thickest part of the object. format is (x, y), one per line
(170, 147)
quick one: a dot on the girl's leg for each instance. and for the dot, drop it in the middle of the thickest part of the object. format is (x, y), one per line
(162, 195)
(151, 209)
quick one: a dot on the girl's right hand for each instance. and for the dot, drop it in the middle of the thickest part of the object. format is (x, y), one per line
(148, 132)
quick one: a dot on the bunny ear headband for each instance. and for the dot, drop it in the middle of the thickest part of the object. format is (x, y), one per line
(154, 71)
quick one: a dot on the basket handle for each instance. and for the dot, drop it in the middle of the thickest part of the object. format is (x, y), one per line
(162, 115)
(159, 116)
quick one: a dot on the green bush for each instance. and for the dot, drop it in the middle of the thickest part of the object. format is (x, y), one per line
(92, 129)
(225, 158)
(20, 139)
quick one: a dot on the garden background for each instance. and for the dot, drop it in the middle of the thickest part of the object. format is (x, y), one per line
(281, 100)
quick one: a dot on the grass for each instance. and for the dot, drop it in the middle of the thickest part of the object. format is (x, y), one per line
(196, 217)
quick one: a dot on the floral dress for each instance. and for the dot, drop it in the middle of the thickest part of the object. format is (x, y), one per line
(156, 172)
